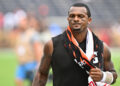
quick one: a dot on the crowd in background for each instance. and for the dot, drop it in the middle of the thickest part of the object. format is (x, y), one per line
(9, 27)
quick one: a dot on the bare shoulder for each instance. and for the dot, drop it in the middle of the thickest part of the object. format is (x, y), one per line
(48, 48)
(106, 52)
(107, 58)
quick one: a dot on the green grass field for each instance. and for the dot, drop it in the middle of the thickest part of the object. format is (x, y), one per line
(8, 65)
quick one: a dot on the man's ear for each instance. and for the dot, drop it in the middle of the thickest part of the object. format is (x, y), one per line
(89, 20)
(67, 18)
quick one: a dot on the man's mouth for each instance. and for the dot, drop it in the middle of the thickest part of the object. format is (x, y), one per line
(76, 24)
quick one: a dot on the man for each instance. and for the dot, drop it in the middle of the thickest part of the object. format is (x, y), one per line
(77, 57)
(26, 47)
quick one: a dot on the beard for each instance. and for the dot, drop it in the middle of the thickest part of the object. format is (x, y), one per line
(78, 29)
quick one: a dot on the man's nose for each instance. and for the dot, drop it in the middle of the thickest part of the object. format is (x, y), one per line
(76, 18)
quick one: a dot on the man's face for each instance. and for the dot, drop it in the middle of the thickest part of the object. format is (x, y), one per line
(78, 19)
(23, 24)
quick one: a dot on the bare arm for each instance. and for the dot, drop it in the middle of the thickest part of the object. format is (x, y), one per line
(42, 74)
(108, 64)
(97, 74)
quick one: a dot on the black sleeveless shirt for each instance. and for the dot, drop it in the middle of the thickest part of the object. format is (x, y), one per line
(65, 71)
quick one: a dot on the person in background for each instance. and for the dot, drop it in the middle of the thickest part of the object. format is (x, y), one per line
(26, 48)
(77, 56)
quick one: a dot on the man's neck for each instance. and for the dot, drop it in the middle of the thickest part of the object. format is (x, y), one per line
(80, 36)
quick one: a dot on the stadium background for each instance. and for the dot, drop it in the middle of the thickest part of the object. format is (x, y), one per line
(106, 23)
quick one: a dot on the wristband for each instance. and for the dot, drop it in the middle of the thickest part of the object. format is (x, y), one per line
(107, 77)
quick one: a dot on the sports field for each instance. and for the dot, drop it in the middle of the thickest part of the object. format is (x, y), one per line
(8, 65)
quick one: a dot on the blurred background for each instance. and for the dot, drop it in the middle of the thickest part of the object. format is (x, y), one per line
(49, 18)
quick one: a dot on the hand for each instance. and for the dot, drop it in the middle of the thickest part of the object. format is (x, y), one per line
(96, 74)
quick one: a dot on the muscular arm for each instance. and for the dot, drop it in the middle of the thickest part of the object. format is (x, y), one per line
(108, 64)
(97, 74)
(42, 73)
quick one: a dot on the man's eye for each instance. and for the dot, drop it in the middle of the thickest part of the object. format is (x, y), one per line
(81, 16)
(72, 16)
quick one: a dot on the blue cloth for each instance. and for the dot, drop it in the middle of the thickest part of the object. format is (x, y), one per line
(26, 71)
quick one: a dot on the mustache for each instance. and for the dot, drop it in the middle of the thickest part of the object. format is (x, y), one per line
(76, 23)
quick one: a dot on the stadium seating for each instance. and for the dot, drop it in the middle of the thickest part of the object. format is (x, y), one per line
(103, 11)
